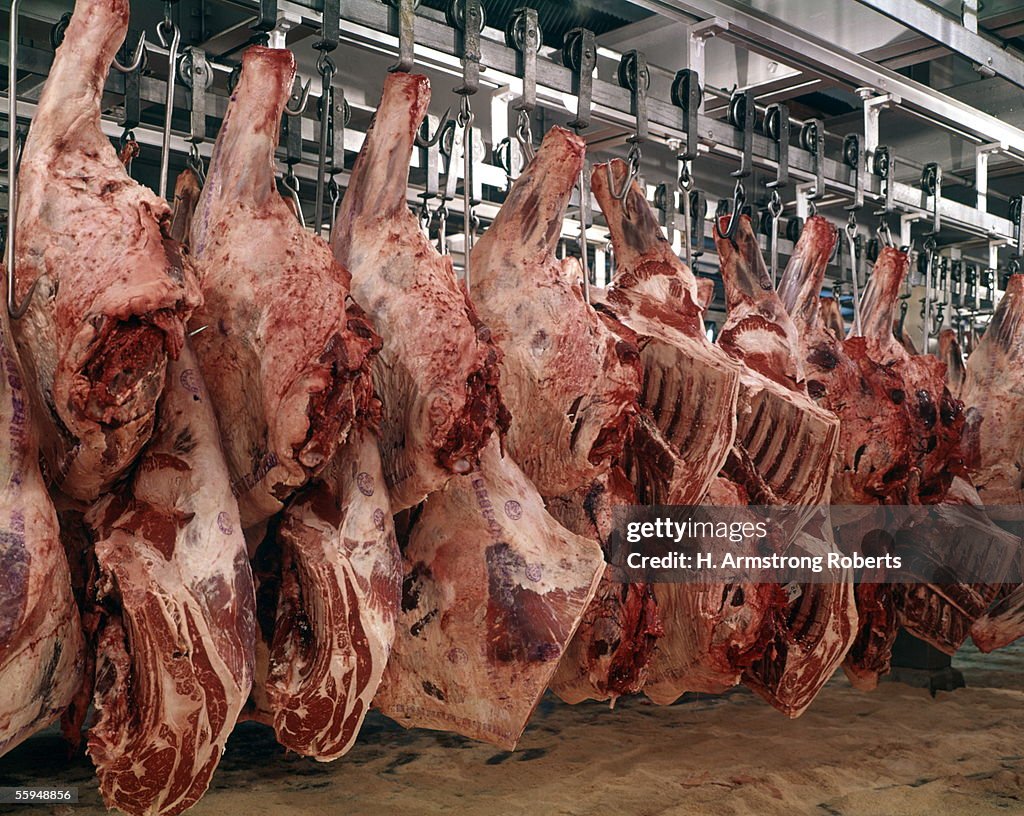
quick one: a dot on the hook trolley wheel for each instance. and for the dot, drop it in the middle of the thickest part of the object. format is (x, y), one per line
(681, 89)
(455, 15)
(738, 110)
(515, 32)
(809, 136)
(627, 73)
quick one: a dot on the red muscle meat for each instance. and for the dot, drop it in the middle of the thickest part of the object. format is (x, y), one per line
(874, 451)
(609, 654)
(329, 618)
(783, 455)
(688, 423)
(438, 371)
(41, 654)
(934, 415)
(288, 361)
(494, 589)
(784, 442)
(112, 290)
(873, 462)
(174, 660)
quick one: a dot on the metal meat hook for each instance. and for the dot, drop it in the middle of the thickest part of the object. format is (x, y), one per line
(851, 237)
(739, 198)
(428, 140)
(164, 29)
(291, 183)
(633, 165)
(140, 54)
(300, 105)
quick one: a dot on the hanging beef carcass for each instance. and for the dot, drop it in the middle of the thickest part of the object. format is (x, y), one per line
(934, 415)
(713, 631)
(570, 382)
(682, 439)
(174, 659)
(494, 589)
(784, 441)
(940, 612)
(873, 464)
(287, 359)
(328, 605)
(686, 430)
(111, 290)
(41, 654)
(993, 440)
(994, 446)
(960, 560)
(810, 629)
(438, 371)
(611, 650)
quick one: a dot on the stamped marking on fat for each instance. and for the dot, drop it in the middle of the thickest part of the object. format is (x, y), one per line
(190, 381)
(456, 655)
(224, 523)
(364, 481)
(378, 519)
(513, 509)
(248, 482)
(534, 572)
(483, 500)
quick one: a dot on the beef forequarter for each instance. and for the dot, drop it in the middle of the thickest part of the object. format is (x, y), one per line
(437, 373)
(287, 358)
(112, 290)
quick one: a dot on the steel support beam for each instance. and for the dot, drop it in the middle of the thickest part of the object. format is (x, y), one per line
(932, 22)
(802, 49)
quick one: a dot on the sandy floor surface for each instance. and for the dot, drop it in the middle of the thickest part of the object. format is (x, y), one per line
(894, 752)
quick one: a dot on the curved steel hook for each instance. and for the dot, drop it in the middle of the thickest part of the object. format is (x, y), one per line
(430, 141)
(169, 36)
(739, 198)
(140, 54)
(303, 99)
(633, 167)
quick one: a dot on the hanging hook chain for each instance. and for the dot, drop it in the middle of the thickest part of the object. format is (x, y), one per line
(775, 208)
(300, 105)
(325, 65)
(334, 193)
(884, 233)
